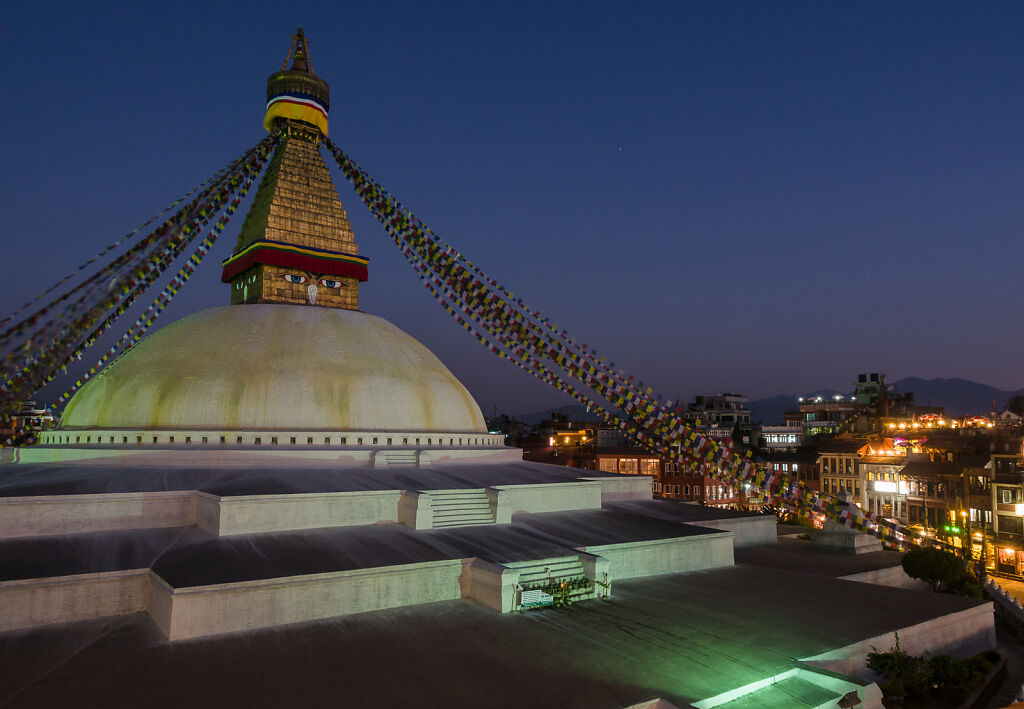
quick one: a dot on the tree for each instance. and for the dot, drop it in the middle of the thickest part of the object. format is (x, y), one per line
(937, 567)
(1016, 404)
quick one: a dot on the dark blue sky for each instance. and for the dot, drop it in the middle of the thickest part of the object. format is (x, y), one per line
(758, 197)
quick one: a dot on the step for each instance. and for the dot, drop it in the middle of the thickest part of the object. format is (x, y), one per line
(467, 518)
(397, 458)
(469, 494)
(462, 523)
(460, 513)
(460, 507)
(476, 509)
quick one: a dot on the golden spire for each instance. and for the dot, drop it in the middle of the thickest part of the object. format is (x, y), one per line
(296, 245)
(297, 94)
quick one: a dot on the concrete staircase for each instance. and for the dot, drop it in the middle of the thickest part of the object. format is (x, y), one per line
(385, 458)
(461, 508)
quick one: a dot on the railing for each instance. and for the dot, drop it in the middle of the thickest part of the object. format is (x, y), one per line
(1007, 606)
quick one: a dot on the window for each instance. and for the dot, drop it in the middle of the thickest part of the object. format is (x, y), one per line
(1010, 525)
(607, 465)
(649, 466)
(273, 440)
(628, 465)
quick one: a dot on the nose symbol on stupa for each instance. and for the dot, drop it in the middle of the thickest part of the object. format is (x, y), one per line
(311, 291)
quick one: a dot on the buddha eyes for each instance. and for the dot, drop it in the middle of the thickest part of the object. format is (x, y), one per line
(325, 282)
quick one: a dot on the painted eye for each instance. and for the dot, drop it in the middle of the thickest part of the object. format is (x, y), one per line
(294, 278)
(238, 286)
(252, 278)
(329, 283)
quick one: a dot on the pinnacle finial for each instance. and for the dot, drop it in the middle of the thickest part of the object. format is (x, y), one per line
(302, 60)
(297, 93)
(300, 47)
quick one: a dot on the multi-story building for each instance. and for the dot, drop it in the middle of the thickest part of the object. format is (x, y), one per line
(1007, 470)
(780, 438)
(582, 448)
(820, 416)
(838, 469)
(802, 465)
(885, 489)
(720, 410)
(948, 477)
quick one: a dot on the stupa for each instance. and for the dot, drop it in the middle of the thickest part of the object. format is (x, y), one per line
(289, 459)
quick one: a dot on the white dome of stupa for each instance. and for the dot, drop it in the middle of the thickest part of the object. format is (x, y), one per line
(276, 367)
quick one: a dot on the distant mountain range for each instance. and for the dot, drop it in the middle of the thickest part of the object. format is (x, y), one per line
(959, 397)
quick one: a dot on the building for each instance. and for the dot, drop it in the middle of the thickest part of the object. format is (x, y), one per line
(1007, 504)
(722, 416)
(22, 426)
(721, 410)
(801, 464)
(885, 489)
(821, 417)
(838, 467)
(780, 438)
(947, 475)
(669, 480)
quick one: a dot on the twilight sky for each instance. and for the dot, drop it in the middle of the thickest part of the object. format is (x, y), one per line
(756, 197)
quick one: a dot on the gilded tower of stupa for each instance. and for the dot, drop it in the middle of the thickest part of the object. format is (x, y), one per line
(296, 245)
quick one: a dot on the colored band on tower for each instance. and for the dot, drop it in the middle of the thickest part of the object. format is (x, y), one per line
(295, 106)
(275, 253)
